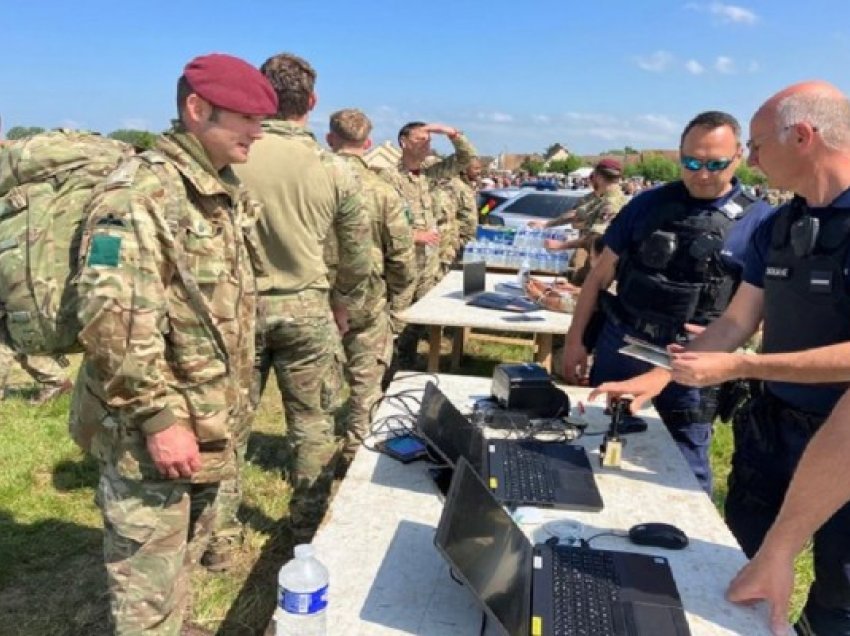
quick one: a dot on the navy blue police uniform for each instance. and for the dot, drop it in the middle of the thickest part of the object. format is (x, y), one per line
(679, 261)
(800, 257)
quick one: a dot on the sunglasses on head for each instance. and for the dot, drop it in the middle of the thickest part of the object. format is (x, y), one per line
(712, 165)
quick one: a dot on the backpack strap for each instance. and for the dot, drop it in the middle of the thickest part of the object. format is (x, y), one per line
(176, 220)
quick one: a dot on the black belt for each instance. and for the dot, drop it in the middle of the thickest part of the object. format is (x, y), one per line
(654, 331)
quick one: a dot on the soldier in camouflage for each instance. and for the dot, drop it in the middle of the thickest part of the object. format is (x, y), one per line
(416, 185)
(168, 300)
(309, 196)
(591, 216)
(368, 342)
(45, 370)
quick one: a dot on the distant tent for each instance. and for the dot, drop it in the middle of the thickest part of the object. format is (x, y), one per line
(581, 173)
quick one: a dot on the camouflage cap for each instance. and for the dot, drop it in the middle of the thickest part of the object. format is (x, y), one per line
(231, 83)
(609, 167)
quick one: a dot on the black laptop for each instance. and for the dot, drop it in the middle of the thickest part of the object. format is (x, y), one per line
(474, 279)
(518, 471)
(550, 590)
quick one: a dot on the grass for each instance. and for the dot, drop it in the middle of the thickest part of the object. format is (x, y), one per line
(52, 581)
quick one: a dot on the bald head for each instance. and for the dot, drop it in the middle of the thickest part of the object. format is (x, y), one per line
(815, 102)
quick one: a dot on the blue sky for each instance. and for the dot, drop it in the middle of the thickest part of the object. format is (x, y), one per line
(516, 76)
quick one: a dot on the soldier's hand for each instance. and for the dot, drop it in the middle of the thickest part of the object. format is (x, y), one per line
(175, 452)
(426, 237)
(768, 577)
(554, 245)
(442, 129)
(340, 313)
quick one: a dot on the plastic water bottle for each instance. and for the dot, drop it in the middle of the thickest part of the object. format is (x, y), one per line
(524, 272)
(302, 596)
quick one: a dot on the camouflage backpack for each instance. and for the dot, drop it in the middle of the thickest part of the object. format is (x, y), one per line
(46, 182)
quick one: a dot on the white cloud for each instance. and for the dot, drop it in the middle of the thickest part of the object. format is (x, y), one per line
(541, 119)
(731, 13)
(658, 122)
(724, 64)
(496, 117)
(694, 68)
(656, 62)
(726, 13)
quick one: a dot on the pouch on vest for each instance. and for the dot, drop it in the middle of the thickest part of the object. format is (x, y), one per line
(655, 300)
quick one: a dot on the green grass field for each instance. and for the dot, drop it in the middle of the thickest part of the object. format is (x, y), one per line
(52, 580)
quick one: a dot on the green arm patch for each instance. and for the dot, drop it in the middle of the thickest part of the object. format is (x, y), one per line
(105, 250)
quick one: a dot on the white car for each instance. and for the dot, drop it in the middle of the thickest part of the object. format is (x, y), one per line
(533, 205)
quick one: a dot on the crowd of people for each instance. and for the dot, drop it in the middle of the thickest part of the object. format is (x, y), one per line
(241, 246)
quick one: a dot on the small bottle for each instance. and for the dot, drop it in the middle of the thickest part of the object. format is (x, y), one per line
(524, 273)
(302, 596)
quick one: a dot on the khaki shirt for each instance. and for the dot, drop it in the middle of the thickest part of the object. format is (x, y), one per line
(307, 193)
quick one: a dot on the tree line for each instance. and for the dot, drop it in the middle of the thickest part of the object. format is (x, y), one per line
(650, 166)
(138, 138)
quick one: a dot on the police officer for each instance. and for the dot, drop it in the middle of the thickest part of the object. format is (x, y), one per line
(308, 195)
(795, 282)
(676, 260)
(167, 304)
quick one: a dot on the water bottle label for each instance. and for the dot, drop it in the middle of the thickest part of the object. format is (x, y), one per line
(303, 602)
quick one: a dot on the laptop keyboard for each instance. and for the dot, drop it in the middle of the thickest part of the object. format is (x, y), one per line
(585, 587)
(527, 475)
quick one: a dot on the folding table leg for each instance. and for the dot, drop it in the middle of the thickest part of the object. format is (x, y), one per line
(435, 338)
(459, 339)
(543, 350)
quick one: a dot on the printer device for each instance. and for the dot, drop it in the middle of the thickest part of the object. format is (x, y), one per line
(527, 387)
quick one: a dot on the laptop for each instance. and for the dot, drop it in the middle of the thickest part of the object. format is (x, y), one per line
(518, 471)
(545, 589)
(474, 279)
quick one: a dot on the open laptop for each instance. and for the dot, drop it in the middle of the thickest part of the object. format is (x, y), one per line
(474, 279)
(549, 590)
(518, 471)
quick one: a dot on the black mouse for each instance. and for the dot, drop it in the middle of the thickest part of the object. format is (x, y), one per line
(658, 535)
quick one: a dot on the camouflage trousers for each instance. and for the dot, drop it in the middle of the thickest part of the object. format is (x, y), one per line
(368, 350)
(298, 338)
(426, 278)
(44, 370)
(153, 531)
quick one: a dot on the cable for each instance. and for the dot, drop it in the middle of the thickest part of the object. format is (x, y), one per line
(483, 623)
(585, 543)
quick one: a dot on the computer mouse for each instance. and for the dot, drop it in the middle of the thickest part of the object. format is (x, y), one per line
(658, 535)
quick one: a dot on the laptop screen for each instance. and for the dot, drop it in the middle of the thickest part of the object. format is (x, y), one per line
(474, 277)
(487, 551)
(452, 435)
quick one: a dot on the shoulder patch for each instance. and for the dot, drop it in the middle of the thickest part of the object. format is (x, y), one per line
(105, 250)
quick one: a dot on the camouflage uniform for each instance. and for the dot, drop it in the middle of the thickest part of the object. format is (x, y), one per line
(368, 343)
(417, 190)
(43, 369)
(467, 212)
(158, 355)
(308, 195)
(592, 216)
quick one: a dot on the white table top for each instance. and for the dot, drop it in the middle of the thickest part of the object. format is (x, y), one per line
(444, 305)
(386, 577)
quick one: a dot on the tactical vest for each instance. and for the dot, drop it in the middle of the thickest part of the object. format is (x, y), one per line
(673, 272)
(806, 301)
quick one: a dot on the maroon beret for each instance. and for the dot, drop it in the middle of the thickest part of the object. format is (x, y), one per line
(610, 167)
(232, 84)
